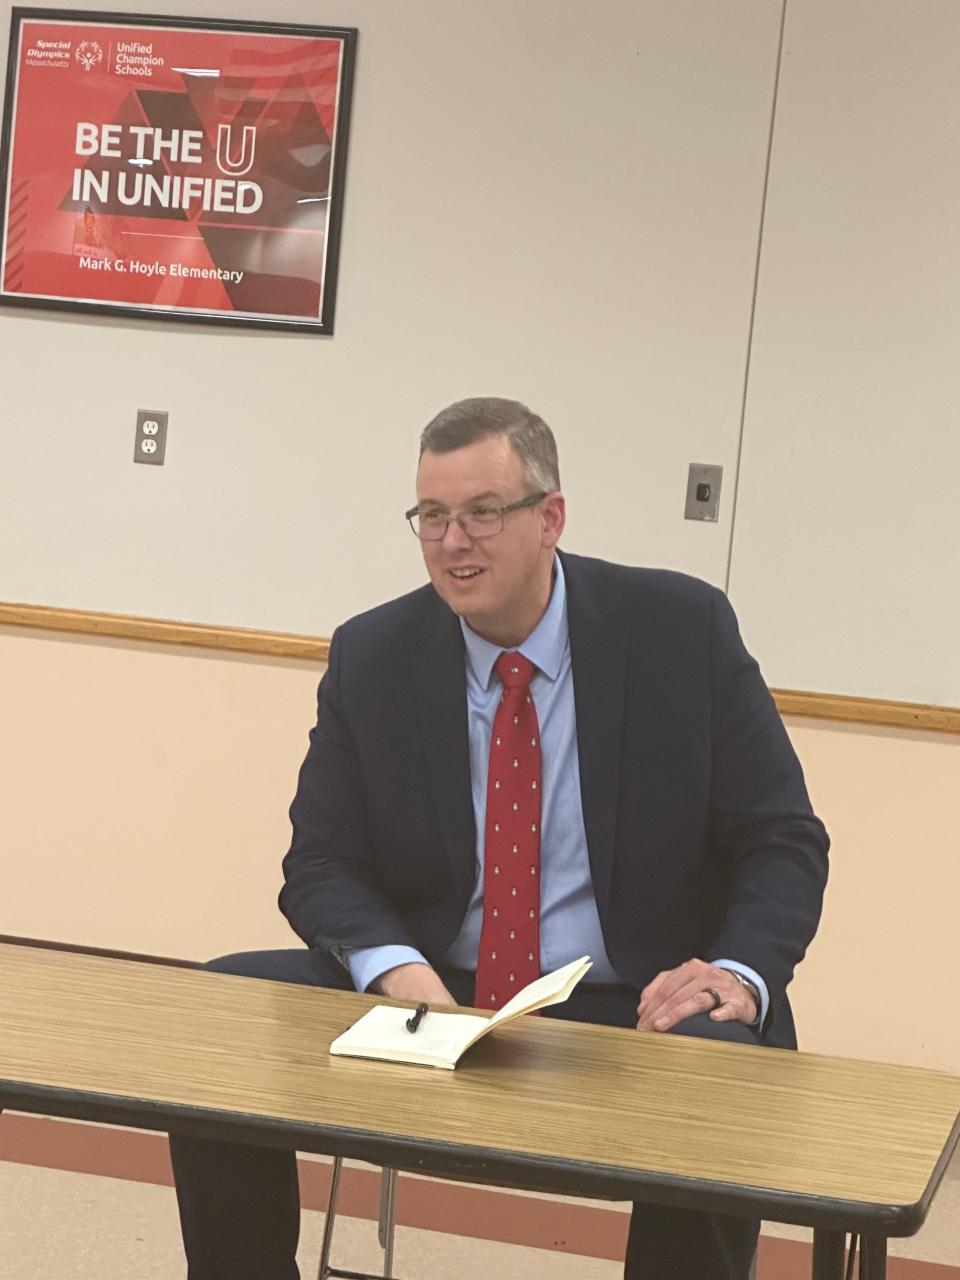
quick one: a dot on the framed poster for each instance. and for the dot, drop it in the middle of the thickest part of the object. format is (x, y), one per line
(173, 168)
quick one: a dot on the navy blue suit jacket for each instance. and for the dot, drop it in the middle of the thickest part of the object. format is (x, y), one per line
(701, 836)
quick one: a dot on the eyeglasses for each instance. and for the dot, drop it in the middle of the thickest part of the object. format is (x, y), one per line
(431, 523)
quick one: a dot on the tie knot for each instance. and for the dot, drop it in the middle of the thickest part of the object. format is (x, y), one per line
(514, 670)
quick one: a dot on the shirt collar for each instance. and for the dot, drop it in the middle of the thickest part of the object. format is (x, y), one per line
(544, 646)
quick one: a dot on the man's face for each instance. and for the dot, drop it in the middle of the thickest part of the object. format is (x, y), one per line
(500, 584)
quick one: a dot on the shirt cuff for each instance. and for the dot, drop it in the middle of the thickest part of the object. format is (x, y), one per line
(366, 964)
(757, 981)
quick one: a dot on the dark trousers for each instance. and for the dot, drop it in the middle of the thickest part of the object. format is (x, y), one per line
(240, 1205)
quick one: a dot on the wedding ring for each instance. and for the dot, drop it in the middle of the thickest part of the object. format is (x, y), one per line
(717, 998)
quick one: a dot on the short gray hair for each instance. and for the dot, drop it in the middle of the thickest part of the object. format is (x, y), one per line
(471, 420)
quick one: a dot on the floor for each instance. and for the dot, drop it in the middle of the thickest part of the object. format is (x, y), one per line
(82, 1227)
(76, 1226)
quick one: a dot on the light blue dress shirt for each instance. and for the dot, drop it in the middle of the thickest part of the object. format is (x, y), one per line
(569, 920)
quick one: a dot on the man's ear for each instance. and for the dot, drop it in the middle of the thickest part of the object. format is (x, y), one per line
(553, 512)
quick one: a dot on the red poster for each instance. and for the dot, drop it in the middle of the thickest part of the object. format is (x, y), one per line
(174, 168)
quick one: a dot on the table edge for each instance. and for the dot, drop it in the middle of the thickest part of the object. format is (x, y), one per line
(517, 1170)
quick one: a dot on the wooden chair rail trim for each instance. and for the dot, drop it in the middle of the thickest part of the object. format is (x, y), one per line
(279, 644)
(273, 644)
(835, 706)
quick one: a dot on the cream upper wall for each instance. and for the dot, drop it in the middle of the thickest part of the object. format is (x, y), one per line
(845, 557)
(145, 796)
(539, 203)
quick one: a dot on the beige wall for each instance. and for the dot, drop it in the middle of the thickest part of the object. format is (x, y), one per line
(875, 984)
(145, 792)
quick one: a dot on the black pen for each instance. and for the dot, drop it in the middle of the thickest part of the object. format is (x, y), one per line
(414, 1022)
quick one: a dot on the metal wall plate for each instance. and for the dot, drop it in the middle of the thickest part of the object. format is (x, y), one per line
(703, 492)
(150, 444)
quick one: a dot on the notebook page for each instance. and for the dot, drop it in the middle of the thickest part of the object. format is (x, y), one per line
(551, 988)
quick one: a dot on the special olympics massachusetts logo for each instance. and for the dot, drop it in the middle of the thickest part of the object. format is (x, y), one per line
(88, 54)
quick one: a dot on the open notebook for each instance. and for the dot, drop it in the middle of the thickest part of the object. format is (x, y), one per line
(442, 1038)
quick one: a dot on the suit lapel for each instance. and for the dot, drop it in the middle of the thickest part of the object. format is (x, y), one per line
(441, 690)
(598, 654)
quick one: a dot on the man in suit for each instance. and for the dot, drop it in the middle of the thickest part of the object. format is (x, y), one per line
(535, 757)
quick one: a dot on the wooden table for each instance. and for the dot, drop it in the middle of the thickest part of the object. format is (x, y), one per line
(827, 1143)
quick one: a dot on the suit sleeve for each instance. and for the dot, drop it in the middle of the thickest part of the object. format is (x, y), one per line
(761, 821)
(331, 894)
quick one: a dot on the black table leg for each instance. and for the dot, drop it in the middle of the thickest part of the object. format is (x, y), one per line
(873, 1253)
(829, 1248)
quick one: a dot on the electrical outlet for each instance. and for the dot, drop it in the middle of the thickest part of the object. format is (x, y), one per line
(150, 442)
(703, 492)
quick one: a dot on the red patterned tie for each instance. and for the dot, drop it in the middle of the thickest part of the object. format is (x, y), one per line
(509, 955)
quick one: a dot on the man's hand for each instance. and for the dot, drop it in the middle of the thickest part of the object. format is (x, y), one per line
(679, 993)
(413, 982)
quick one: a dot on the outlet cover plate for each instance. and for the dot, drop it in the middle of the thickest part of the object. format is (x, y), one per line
(150, 444)
(703, 492)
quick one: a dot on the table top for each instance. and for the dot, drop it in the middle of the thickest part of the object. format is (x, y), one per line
(540, 1103)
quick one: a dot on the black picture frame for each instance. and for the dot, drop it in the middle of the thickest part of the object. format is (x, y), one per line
(289, 83)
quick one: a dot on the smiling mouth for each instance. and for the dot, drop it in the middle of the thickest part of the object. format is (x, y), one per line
(464, 575)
